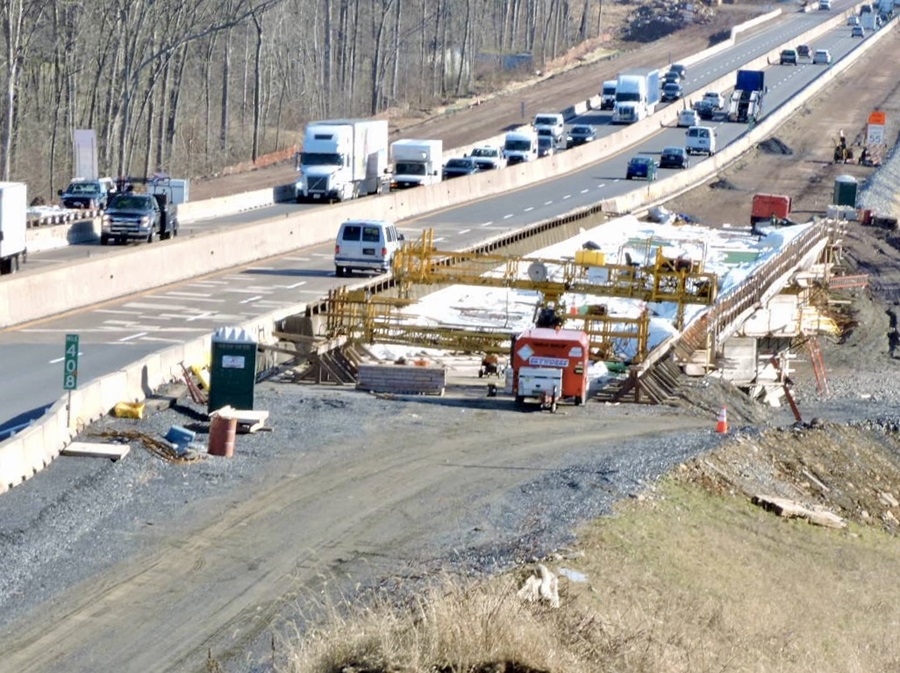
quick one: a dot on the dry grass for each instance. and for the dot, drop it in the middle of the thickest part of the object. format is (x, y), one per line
(683, 581)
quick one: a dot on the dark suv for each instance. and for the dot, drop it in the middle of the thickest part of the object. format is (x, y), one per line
(138, 217)
(788, 57)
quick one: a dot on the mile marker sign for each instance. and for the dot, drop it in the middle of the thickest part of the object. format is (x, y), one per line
(70, 367)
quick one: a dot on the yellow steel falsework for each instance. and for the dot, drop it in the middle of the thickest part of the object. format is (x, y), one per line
(665, 280)
(358, 315)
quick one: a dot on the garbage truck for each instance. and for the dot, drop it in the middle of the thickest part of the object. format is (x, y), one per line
(13, 212)
(416, 162)
(342, 159)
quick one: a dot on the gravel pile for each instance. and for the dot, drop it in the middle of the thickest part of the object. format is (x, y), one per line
(879, 192)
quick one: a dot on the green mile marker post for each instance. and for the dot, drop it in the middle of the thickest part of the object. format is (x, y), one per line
(70, 371)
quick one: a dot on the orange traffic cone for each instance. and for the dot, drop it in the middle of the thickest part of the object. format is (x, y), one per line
(722, 424)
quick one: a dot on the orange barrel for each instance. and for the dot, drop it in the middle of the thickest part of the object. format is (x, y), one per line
(221, 436)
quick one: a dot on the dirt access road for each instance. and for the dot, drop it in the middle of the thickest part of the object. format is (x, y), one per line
(378, 502)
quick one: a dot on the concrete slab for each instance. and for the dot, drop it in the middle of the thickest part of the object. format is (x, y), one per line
(97, 450)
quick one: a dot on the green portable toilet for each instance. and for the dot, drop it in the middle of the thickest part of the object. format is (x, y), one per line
(845, 189)
(232, 372)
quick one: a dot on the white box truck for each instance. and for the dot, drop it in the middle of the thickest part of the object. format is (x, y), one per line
(342, 159)
(637, 94)
(13, 212)
(416, 162)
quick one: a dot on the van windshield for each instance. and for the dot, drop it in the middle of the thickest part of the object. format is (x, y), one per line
(320, 159)
(548, 121)
(626, 97)
(609, 91)
(518, 145)
(410, 168)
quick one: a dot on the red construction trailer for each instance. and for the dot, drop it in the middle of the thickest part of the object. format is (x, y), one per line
(550, 365)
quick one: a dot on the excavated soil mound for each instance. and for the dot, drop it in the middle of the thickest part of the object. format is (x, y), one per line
(774, 146)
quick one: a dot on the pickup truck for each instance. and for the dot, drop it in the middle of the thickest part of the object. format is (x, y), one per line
(488, 157)
(133, 216)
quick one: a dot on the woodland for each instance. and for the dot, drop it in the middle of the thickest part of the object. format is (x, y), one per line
(186, 87)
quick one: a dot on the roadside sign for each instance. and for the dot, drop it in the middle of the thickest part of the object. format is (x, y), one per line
(877, 118)
(70, 363)
(875, 134)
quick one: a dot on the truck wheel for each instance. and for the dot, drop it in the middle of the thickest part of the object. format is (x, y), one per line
(104, 239)
(340, 271)
(579, 400)
(520, 400)
(299, 199)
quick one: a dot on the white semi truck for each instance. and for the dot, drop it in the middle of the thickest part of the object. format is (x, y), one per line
(13, 211)
(637, 94)
(343, 159)
(416, 162)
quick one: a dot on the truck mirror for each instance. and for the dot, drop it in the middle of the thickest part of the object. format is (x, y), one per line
(401, 237)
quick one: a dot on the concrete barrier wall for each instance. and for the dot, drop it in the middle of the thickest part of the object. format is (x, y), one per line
(31, 450)
(39, 239)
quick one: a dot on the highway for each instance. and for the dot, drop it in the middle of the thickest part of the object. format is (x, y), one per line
(122, 331)
(699, 75)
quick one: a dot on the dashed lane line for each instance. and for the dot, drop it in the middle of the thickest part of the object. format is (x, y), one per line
(132, 337)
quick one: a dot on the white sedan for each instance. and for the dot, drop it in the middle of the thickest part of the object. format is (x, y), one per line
(822, 57)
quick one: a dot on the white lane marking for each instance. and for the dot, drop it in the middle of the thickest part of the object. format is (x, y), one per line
(617, 179)
(438, 240)
(487, 224)
(295, 285)
(115, 311)
(133, 336)
(323, 255)
(567, 196)
(529, 209)
(506, 217)
(601, 185)
(200, 317)
(261, 268)
(241, 290)
(461, 232)
(58, 360)
(250, 299)
(298, 259)
(548, 203)
(188, 294)
(584, 191)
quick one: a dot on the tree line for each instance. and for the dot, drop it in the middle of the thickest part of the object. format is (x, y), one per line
(189, 86)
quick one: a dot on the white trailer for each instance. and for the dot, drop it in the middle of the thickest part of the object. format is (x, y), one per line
(416, 162)
(343, 159)
(13, 211)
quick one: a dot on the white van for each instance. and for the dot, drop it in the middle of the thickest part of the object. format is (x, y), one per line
(700, 140)
(367, 245)
(554, 122)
